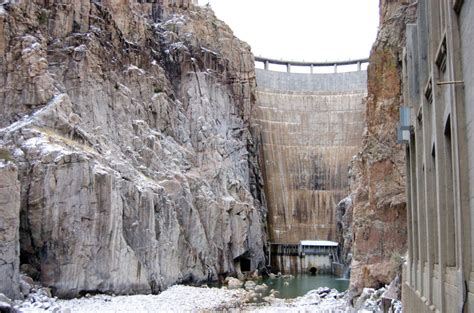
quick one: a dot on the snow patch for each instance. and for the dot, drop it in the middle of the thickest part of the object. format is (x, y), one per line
(81, 48)
(209, 51)
(42, 144)
(135, 68)
(26, 120)
(34, 47)
(174, 20)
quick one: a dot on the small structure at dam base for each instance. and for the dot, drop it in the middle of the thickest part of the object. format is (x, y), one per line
(309, 256)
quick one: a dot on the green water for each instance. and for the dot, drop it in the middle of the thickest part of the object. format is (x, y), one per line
(303, 283)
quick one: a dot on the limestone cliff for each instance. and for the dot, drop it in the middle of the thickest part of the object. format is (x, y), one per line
(378, 178)
(129, 125)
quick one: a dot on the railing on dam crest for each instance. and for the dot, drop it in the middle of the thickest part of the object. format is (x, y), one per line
(311, 65)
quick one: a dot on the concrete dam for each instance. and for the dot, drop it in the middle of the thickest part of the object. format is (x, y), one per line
(311, 125)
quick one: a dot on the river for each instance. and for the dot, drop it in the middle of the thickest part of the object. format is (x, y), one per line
(302, 283)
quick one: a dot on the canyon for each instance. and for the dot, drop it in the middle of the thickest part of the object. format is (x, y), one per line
(141, 148)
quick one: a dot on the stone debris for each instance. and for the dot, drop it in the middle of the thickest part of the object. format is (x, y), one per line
(38, 299)
(250, 285)
(369, 300)
(318, 300)
(6, 304)
(234, 283)
(175, 299)
(181, 298)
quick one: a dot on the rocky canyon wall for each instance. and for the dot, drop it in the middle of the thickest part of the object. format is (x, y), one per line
(378, 172)
(311, 126)
(9, 228)
(129, 125)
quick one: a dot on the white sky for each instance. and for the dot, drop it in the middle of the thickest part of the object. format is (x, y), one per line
(309, 30)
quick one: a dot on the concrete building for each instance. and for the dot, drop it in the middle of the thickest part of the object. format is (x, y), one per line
(439, 92)
(311, 126)
(308, 256)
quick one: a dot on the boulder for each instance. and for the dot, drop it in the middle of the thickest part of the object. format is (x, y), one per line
(250, 285)
(261, 288)
(234, 283)
(6, 307)
(5, 299)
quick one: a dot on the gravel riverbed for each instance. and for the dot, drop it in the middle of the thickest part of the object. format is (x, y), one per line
(248, 297)
(181, 298)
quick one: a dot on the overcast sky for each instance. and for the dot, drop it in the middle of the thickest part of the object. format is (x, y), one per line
(309, 30)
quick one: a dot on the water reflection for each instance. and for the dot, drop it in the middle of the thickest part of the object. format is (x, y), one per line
(301, 284)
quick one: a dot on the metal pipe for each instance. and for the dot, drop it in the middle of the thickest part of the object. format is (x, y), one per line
(452, 82)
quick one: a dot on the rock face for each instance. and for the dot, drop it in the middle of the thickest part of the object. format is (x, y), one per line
(129, 124)
(378, 178)
(344, 214)
(9, 228)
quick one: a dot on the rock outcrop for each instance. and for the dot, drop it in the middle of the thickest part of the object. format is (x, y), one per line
(344, 231)
(129, 124)
(378, 178)
(9, 227)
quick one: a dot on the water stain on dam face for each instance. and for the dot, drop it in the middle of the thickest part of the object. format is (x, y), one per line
(311, 126)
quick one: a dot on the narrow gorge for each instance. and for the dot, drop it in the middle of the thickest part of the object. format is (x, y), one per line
(143, 146)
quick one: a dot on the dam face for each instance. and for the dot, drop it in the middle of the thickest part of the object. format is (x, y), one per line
(311, 126)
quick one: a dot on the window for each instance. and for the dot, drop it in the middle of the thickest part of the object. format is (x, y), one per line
(429, 91)
(441, 56)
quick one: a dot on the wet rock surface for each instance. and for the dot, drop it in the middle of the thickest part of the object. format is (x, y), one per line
(129, 125)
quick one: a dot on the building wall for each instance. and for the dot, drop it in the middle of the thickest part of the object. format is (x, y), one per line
(311, 126)
(467, 51)
(294, 264)
(438, 85)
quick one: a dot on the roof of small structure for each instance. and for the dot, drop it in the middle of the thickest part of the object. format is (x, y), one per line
(321, 243)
